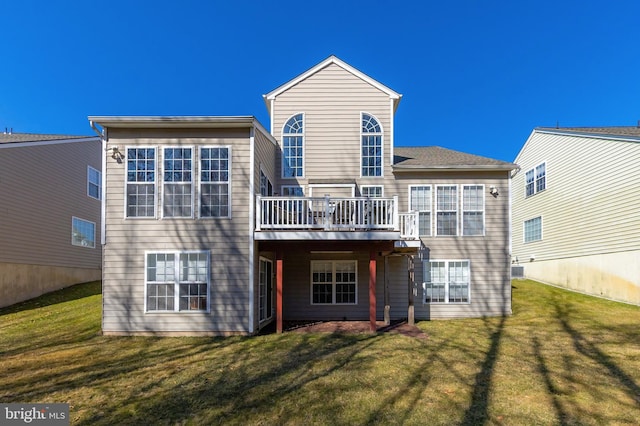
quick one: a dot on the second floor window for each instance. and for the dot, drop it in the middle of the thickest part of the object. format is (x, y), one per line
(141, 182)
(420, 201)
(447, 210)
(178, 188)
(94, 183)
(293, 147)
(473, 210)
(215, 182)
(536, 179)
(371, 149)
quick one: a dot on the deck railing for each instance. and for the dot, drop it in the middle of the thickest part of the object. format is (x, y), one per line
(334, 214)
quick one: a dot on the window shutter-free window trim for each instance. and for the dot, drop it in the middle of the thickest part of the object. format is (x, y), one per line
(372, 191)
(446, 281)
(83, 232)
(473, 210)
(293, 149)
(532, 230)
(334, 282)
(177, 182)
(421, 200)
(535, 179)
(94, 183)
(140, 201)
(214, 181)
(447, 206)
(371, 146)
(177, 281)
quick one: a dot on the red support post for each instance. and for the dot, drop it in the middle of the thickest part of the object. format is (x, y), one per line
(372, 291)
(279, 291)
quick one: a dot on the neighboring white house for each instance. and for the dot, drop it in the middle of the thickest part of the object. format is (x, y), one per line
(215, 225)
(576, 210)
(50, 197)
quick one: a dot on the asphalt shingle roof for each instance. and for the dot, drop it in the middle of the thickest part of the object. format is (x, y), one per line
(435, 157)
(610, 130)
(34, 137)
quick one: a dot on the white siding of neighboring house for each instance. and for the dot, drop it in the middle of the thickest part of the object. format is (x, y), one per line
(590, 221)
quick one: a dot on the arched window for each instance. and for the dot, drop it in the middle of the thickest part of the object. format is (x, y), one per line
(371, 150)
(293, 147)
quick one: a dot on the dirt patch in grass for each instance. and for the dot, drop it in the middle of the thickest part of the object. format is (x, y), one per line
(354, 327)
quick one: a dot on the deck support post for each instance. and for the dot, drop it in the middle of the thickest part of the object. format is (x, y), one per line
(372, 291)
(279, 291)
(411, 280)
(387, 307)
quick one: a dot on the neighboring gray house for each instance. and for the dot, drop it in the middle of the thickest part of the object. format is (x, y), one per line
(50, 192)
(216, 226)
(575, 210)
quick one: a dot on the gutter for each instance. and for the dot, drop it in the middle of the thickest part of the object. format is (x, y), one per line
(103, 207)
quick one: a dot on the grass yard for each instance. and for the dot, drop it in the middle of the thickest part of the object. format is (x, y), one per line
(561, 359)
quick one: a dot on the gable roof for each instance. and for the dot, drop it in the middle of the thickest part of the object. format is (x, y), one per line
(35, 137)
(442, 159)
(329, 61)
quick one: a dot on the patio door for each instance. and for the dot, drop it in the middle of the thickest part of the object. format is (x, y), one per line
(265, 290)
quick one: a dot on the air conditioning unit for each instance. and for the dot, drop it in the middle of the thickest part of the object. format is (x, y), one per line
(517, 271)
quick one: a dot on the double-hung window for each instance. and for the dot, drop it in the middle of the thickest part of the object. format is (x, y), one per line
(446, 281)
(266, 188)
(293, 147)
(371, 150)
(533, 229)
(536, 179)
(334, 282)
(215, 181)
(94, 183)
(178, 187)
(472, 210)
(420, 201)
(177, 281)
(371, 191)
(447, 210)
(141, 182)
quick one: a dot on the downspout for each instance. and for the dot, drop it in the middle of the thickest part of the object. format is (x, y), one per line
(252, 221)
(103, 207)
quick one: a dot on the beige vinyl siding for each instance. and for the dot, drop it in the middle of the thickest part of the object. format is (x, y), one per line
(332, 122)
(227, 239)
(590, 203)
(490, 287)
(42, 186)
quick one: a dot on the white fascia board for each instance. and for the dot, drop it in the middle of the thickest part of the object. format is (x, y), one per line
(50, 142)
(174, 121)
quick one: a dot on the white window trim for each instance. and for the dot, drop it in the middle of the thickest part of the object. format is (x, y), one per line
(176, 296)
(431, 199)
(524, 230)
(162, 182)
(435, 211)
(333, 282)
(89, 169)
(426, 263)
(484, 210)
(269, 181)
(374, 186)
(381, 134)
(199, 182)
(73, 218)
(535, 179)
(304, 141)
(155, 183)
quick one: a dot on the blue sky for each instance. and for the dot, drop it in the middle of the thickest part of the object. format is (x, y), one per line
(476, 76)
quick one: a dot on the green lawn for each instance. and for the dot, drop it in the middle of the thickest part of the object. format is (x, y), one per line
(562, 358)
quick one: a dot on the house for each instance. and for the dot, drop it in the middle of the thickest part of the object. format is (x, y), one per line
(575, 210)
(50, 192)
(216, 226)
